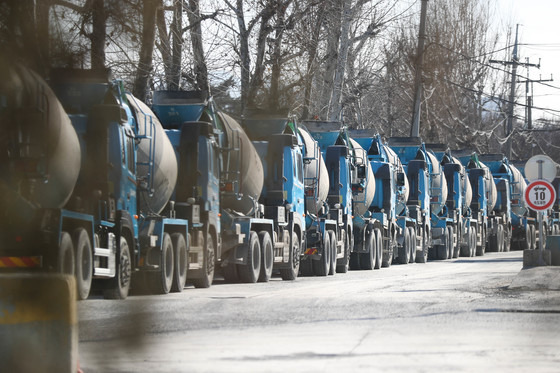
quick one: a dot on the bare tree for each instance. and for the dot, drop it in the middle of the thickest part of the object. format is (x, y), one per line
(144, 70)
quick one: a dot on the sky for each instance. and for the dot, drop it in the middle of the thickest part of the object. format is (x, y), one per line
(539, 37)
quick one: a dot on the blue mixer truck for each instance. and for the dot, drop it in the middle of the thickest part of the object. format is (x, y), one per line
(351, 191)
(468, 225)
(221, 178)
(510, 206)
(325, 231)
(83, 183)
(283, 194)
(391, 193)
(428, 192)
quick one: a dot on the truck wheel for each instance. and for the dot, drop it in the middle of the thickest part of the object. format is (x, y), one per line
(380, 262)
(473, 242)
(367, 259)
(500, 238)
(457, 244)
(267, 256)
(422, 254)
(404, 249)
(450, 242)
(321, 266)
(412, 234)
(65, 263)
(120, 285)
(84, 262)
(208, 264)
(480, 250)
(290, 274)
(441, 251)
(344, 264)
(161, 280)
(249, 272)
(334, 253)
(180, 259)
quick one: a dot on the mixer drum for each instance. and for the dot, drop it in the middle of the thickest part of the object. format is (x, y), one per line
(243, 160)
(363, 200)
(164, 177)
(40, 149)
(315, 173)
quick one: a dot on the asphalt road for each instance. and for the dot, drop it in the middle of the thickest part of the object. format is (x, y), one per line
(464, 315)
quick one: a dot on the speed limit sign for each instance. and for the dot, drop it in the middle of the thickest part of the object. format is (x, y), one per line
(540, 195)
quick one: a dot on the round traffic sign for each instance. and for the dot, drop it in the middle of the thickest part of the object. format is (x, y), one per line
(540, 167)
(540, 195)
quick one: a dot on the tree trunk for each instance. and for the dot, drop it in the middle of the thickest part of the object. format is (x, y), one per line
(243, 54)
(338, 82)
(98, 35)
(333, 23)
(312, 61)
(147, 48)
(200, 69)
(164, 47)
(177, 33)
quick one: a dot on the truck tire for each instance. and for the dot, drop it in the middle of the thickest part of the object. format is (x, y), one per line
(422, 254)
(481, 249)
(291, 273)
(450, 242)
(267, 256)
(119, 286)
(64, 261)
(379, 262)
(84, 262)
(343, 265)
(442, 251)
(367, 259)
(321, 266)
(208, 264)
(181, 262)
(404, 249)
(161, 280)
(249, 272)
(334, 253)
(457, 244)
(413, 239)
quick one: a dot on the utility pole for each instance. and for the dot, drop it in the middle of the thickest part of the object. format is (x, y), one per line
(529, 100)
(514, 63)
(415, 130)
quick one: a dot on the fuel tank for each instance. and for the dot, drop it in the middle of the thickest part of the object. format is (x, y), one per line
(316, 177)
(363, 199)
(40, 158)
(156, 159)
(242, 165)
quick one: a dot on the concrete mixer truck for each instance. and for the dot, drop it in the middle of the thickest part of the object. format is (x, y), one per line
(351, 191)
(221, 178)
(466, 229)
(83, 185)
(428, 192)
(391, 193)
(498, 198)
(327, 232)
(510, 182)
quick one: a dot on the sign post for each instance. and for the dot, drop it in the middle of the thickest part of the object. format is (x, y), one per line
(540, 194)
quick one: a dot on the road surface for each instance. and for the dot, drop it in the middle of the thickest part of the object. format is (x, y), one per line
(464, 315)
